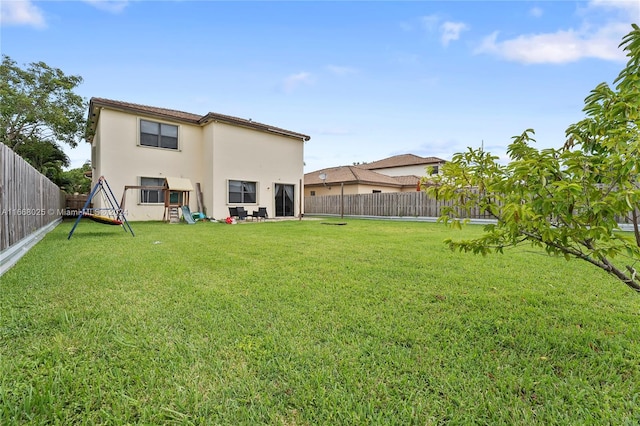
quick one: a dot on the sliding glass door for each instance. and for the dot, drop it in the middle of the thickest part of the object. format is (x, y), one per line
(285, 200)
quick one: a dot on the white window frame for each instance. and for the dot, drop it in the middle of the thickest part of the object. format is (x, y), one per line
(160, 123)
(243, 202)
(160, 192)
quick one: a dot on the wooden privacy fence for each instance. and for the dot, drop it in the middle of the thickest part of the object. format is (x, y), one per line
(403, 204)
(399, 204)
(28, 200)
(75, 203)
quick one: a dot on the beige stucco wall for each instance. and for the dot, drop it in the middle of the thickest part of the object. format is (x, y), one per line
(348, 189)
(210, 155)
(250, 155)
(409, 188)
(368, 189)
(95, 156)
(122, 161)
(208, 196)
(320, 190)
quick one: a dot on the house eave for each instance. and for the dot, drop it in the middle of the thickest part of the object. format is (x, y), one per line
(96, 104)
(355, 182)
(249, 124)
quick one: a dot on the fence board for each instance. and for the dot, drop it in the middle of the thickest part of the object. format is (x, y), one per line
(28, 200)
(401, 204)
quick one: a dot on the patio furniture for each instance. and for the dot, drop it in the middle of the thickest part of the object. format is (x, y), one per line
(242, 213)
(233, 211)
(261, 213)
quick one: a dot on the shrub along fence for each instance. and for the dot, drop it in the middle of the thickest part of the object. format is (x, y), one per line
(29, 202)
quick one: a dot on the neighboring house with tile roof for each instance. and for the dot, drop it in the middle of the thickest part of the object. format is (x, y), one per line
(404, 164)
(400, 173)
(355, 180)
(237, 162)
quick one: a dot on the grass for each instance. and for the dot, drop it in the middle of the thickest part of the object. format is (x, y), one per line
(299, 323)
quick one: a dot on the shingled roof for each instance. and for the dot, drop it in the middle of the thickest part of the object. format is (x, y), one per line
(180, 116)
(356, 175)
(400, 161)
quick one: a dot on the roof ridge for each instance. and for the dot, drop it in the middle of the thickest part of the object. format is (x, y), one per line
(113, 101)
(400, 160)
(351, 173)
(195, 118)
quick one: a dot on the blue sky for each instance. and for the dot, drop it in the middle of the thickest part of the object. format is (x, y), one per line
(366, 80)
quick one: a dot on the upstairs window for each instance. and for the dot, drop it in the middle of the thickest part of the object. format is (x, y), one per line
(242, 192)
(159, 135)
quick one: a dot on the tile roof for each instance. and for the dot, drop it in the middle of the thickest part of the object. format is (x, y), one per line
(401, 160)
(171, 114)
(410, 180)
(355, 174)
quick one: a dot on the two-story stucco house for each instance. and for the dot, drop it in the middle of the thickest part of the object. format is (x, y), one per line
(237, 162)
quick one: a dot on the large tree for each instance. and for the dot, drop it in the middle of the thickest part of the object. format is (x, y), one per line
(39, 104)
(39, 111)
(568, 200)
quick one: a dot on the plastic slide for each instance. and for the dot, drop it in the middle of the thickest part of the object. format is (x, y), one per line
(186, 214)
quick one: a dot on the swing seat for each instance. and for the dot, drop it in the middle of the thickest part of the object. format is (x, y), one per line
(102, 219)
(109, 200)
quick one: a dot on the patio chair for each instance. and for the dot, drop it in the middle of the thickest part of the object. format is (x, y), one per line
(242, 213)
(261, 213)
(233, 211)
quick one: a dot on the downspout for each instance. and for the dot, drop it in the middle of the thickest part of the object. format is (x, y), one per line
(300, 214)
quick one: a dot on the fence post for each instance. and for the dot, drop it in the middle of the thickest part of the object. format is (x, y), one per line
(341, 200)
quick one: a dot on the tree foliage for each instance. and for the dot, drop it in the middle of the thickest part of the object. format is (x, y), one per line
(39, 111)
(38, 104)
(46, 157)
(76, 180)
(568, 200)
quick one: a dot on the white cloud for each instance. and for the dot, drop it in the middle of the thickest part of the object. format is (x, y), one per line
(559, 47)
(536, 12)
(451, 31)
(293, 81)
(21, 12)
(632, 7)
(590, 40)
(341, 70)
(113, 6)
(448, 30)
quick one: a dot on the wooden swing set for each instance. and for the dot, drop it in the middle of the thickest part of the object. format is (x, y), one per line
(176, 195)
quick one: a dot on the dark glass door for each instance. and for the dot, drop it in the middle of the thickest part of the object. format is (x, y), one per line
(285, 200)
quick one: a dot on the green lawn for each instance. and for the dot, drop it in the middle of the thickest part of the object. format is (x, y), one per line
(293, 323)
